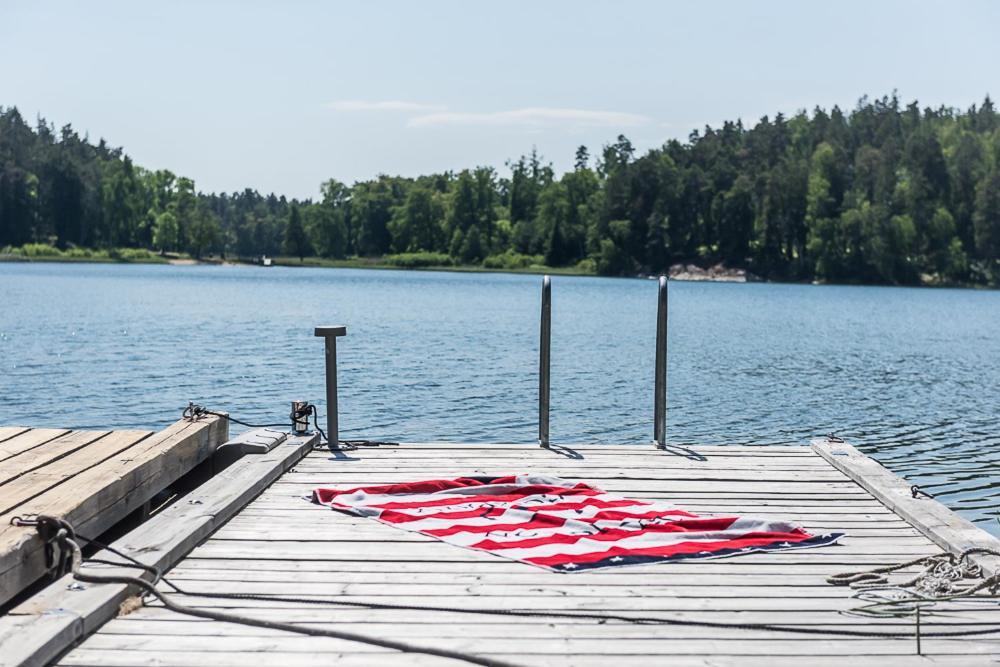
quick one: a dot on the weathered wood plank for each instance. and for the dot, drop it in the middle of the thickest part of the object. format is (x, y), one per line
(635, 487)
(74, 454)
(439, 625)
(99, 658)
(651, 645)
(388, 547)
(665, 576)
(496, 567)
(81, 658)
(642, 450)
(8, 432)
(595, 476)
(28, 440)
(661, 587)
(103, 494)
(342, 532)
(37, 457)
(948, 530)
(37, 630)
(403, 618)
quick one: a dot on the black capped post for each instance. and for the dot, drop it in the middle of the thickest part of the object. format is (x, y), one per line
(330, 335)
(660, 380)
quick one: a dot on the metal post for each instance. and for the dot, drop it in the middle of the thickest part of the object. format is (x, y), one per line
(330, 335)
(660, 391)
(543, 363)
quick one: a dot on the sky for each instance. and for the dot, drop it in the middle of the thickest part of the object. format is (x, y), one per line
(281, 96)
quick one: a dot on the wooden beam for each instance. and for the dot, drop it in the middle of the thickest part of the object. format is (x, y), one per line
(38, 630)
(103, 493)
(945, 528)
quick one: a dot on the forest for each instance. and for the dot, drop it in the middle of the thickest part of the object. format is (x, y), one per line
(887, 193)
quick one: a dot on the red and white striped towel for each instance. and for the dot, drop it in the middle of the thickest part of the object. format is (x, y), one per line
(560, 525)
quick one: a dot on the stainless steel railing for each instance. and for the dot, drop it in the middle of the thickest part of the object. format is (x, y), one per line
(543, 363)
(659, 373)
(331, 333)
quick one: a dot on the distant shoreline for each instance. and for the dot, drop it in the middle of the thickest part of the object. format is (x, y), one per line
(683, 272)
(686, 272)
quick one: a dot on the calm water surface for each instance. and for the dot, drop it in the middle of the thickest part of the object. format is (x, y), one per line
(911, 376)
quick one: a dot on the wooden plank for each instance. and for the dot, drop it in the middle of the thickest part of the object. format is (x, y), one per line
(28, 440)
(37, 630)
(594, 477)
(666, 575)
(948, 530)
(440, 625)
(37, 457)
(650, 645)
(343, 532)
(8, 432)
(631, 486)
(405, 618)
(568, 587)
(73, 454)
(596, 604)
(103, 494)
(643, 450)
(497, 567)
(236, 658)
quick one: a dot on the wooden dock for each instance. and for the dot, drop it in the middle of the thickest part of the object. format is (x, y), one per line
(93, 479)
(249, 530)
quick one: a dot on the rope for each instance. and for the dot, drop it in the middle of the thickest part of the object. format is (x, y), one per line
(937, 583)
(64, 530)
(64, 535)
(193, 411)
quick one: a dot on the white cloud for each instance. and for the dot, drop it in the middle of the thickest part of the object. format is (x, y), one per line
(531, 117)
(387, 105)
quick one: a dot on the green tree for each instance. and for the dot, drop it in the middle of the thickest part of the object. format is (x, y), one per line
(472, 246)
(417, 224)
(986, 219)
(296, 242)
(204, 231)
(165, 232)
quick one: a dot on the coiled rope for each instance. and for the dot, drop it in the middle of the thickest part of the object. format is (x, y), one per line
(939, 582)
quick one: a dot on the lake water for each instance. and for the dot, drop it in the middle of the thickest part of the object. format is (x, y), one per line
(911, 376)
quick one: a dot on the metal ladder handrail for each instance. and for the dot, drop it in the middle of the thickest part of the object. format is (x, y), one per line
(660, 371)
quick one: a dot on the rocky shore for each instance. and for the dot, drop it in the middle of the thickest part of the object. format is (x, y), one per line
(717, 273)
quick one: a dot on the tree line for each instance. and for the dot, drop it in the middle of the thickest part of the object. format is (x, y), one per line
(885, 193)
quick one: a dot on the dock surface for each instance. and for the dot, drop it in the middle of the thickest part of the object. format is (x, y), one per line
(93, 479)
(281, 544)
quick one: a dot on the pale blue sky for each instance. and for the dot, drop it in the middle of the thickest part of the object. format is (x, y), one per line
(283, 95)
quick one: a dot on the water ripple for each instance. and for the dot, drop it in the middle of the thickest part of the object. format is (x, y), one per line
(911, 376)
